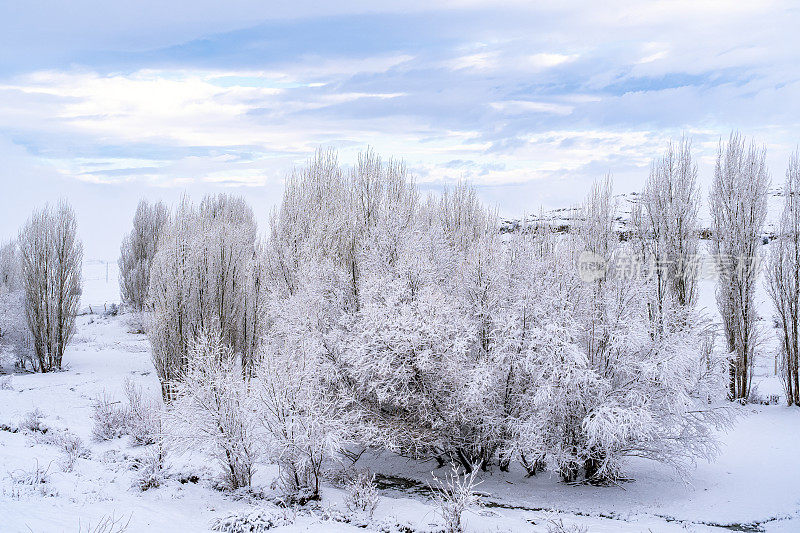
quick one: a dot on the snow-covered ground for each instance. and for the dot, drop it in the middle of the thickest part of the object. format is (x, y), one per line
(752, 486)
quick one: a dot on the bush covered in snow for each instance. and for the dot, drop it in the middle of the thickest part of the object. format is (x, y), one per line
(143, 417)
(72, 449)
(110, 419)
(252, 521)
(150, 471)
(212, 411)
(454, 495)
(362, 494)
(140, 419)
(32, 423)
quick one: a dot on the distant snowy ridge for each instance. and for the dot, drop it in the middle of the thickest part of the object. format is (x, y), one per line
(563, 219)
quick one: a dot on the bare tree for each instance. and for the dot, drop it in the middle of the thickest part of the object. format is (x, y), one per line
(137, 252)
(666, 221)
(51, 275)
(783, 282)
(738, 210)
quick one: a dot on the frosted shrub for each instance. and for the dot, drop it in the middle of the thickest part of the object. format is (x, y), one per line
(32, 423)
(455, 494)
(143, 419)
(302, 419)
(110, 419)
(212, 411)
(362, 494)
(150, 472)
(558, 526)
(5, 383)
(34, 477)
(72, 449)
(755, 397)
(247, 521)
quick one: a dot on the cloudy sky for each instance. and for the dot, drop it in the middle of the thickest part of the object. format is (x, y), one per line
(107, 102)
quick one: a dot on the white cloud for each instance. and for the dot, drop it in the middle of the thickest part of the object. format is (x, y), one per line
(516, 107)
(508, 60)
(479, 61)
(545, 60)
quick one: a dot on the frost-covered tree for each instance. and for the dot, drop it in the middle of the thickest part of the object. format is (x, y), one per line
(538, 276)
(224, 251)
(666, 221)
(137, 252)
(51, 277)
(311, 219)
(738, 210)
(461, 217)
(783, 282)
(14, 334)
(10, 267)
(256, 294)
(423, 320)
(450, 343)
(595, 381)
(365, 228)
(172, 328)
(298, 399)
(406, 349)
(205, 276)
(414, 327)
(329, 215)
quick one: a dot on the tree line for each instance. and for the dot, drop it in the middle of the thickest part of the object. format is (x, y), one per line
(369, 317)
